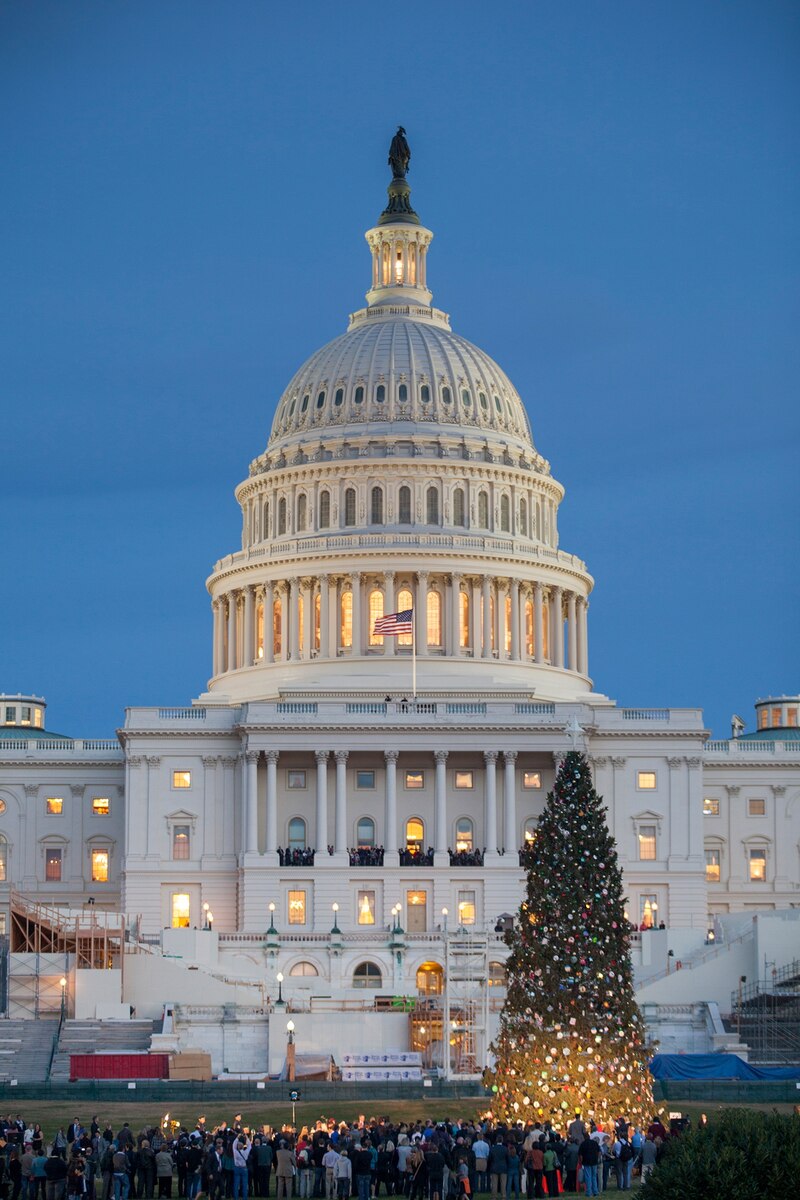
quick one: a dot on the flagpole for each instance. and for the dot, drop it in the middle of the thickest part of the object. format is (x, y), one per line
(414, 654)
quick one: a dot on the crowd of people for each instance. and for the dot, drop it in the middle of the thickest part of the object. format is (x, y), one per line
(466, 858)
(297, 857)
(422, 1160)
(366, 856)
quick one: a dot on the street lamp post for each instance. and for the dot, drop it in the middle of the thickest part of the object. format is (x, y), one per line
(335, 908)
(279, 1001)
(290, 1059)
(206, 909)
(444, 920)
(63, 983)
(272, 928)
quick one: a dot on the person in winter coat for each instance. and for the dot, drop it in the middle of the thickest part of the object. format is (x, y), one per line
(164, 1173)
(498, 1169)
(343, 1174)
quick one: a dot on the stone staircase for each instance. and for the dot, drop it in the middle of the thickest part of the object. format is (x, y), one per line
(25, 1049)
(99, 1037)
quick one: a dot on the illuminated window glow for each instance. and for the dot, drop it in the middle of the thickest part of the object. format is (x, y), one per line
(646, 781)
(757, 862)
(531, 779)
(415, 834)
(415, 779)
(297, 907)
(404, 602)
(99, 866)
(366, 908)
(181, 779)
(54, 806)
(346, 620)
(710, 806)
(712, 866)
(181, 910)
(465, 779)
(375, 613)
(464, 835)
(647, 843)
(180, 842)
(466, 908)
(756, 807)
(434, 621)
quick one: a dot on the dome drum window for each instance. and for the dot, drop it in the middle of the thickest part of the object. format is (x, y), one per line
(338, 399)
(304, 405)
(402, 393)
(320, 399)
(359, 395)
(380, 393)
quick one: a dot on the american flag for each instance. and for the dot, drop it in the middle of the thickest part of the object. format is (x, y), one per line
(394, 623)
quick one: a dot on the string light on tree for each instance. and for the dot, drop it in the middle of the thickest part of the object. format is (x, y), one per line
(571, 1036)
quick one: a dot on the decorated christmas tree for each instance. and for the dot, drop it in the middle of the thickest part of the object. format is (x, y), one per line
(571, 1036)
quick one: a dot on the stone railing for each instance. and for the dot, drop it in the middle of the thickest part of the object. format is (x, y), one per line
(738, 748)
(75, 746)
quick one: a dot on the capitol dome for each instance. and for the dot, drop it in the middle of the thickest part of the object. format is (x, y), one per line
(400, 475)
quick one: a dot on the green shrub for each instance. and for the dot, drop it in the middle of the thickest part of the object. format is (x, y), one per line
(741, 1155)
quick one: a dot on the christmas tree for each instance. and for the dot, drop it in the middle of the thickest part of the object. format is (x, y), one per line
(571, 1036)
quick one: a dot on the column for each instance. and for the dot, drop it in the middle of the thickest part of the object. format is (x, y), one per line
(272, 801)
(572, 632)
(324, 617)
(249, 654)
(292, 622)
(251, 802)
(421, 613)
(389, 606)
(490, 810)
(515, 655)
(500, 618)
(486, 651)
(322, 801)
(510, 836)
(455, 615)
(340, 836)
(269, 636)
(583, 636)
(232, 647)
(557, 629)
(538, 624)
(308, 616)
(358, 641)
(475, 618)
(390, 836)
(440, 809)
(219, 637)
(283, 593)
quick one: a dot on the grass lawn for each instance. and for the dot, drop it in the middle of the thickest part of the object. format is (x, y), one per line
(52, 1113)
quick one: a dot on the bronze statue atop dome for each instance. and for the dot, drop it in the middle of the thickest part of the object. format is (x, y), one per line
(399, 154)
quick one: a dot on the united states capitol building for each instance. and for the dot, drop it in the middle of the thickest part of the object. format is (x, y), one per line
(333, 829)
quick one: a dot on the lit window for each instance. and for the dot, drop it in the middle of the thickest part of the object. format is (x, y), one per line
(529, 832)
(531, 779)
(26, 715)
(415, 779)
(277, 628)
(404, 603)
(37, 718)
(757, 807)
(791, 718)
(367, 975)
(181, 779)
(304, 968)
(11, 716)
(297, 907)
(180, 842)
(52, 871)
(464, 835)
(497, 974)
(529, 628)
(648, 911)
(366, 908)
(647, 843)
(297, 833)
(466, 908)
(434, 619)
(295, 780)
(259, 630)
(757, 861)
(365, 832)
(375, 614)
(776, 717)
(415, 834)
(507, 607)
(430, 979)
(464, 779)
(365, 779)
(763, 718)
(646, 781)
(346, 620)
(54, 806)
(463, 609)
(181, 910)
(99, 866)
(712, 866)
(3, 860)
(710, 806)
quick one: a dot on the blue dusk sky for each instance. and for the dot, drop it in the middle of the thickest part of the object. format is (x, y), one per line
(614, 190)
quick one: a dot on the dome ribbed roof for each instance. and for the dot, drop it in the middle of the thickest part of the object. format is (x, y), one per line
(405, 371)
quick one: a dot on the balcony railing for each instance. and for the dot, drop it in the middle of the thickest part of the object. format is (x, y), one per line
(417, 858)
(466, 858)
(298, 856)
(366, 856)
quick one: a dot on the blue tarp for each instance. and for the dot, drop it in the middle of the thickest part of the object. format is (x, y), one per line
(714, 1066)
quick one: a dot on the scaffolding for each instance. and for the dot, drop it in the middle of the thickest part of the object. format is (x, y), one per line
(766, 1015)
(450, 1029)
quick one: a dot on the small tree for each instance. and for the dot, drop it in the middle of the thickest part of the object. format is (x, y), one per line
(571, 1035)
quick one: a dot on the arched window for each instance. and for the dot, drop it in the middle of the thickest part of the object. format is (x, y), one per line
(367, 975)
(463, 609)
(466, 398)
(346, 620)
(324, 510)
(508, 623)
(303, 968)
(483, 510)
(339, 397)
(376, 506)
(433, 506)
(380, 393)
(458, 507)
(434, 618)
(375, 614)
(465, 834)
(297, 833)
(277, 628)
(282, 515)
(497, 404)
(425, 394)
(304, 405)
(483, 400)
(415, 834)
(402, 393)
(320, 399)
(523, 517)
(529, 830)
(365, 832)
(497, 974)
(505, 515)
(529, 628)
(259, 630)
(301, 512)
(404, 602)
(265, 521)
(430, 979)
(350, 506)
(359, 396)
(404, 505)
(446, 397)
